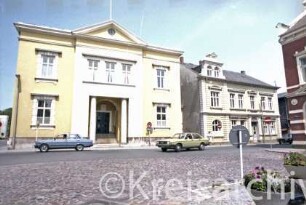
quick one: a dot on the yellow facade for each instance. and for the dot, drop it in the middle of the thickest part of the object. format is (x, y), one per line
(32, 39)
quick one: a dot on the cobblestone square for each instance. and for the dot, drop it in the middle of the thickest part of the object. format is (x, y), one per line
(111, 177)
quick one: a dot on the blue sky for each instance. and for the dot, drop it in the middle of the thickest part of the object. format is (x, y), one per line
(241, 32)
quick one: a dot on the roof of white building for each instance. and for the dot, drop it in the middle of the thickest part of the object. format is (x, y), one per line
(235, 77)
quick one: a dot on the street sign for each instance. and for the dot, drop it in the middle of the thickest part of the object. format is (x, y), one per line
(234, 135)
(149, 125)
(239, 136)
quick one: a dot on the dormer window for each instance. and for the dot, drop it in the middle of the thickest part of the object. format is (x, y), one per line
(209, 71)
(216, 72)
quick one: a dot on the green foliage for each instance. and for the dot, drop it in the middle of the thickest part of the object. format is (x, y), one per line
(295, 159)
(260, 180)
(8, 112)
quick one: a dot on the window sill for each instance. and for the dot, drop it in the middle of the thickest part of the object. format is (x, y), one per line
(43, 127)
(162, 89)
(37, 79)
(268, 111)
(238, 109)
(253, 110)
(216, 108)
(161, 128)
(104, 83)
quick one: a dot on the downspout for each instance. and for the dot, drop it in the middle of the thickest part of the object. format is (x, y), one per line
(16, 111)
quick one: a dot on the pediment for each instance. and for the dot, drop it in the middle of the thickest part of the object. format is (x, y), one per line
(109, 30)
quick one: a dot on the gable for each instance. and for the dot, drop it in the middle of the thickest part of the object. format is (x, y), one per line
(109, 30)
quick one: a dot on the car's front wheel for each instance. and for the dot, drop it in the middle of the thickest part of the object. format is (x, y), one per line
(164, 149)
(178, 147)
(202, 146)
(79, 147)
(44, 148)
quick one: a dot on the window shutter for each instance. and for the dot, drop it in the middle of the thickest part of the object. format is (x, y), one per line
(52, 120)
(34, 111)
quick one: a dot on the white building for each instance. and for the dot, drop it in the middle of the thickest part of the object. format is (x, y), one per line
(227, 98)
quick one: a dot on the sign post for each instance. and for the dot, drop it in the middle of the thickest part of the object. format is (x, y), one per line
(149, 130)
(239, 136)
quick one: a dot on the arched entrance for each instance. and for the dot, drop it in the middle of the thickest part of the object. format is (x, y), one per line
(106, 121)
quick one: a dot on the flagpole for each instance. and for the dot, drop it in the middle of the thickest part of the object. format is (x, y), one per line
(110, 9)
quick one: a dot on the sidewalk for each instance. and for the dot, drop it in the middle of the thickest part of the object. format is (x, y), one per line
(285, 150)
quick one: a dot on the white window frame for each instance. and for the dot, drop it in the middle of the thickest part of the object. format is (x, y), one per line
(215, 127)
(126, 71)
(263, 103)
(252, 102)
(216, 72)
(269, 126)
(93, 68)
(232, 100)
(233, 123)
(240, 101)
(36, 107)
(161, 110)
(110, 67)
(40, 66)
(270, 104)
(161, 79)
(214, 99)
(209, 71)
(301, 68)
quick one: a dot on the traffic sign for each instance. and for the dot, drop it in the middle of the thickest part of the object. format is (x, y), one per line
(234, 135)
(149, 125)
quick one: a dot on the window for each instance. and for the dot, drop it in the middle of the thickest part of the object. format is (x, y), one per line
(234, 123)
(110, 69)
(240, 101)
(197, 136)
(216, 72)
(263, 103)
(214, 96)
(47, 65)
(126, 70)
(43, 108)
(232, 100)
(252, 102)
(302, 62)
(209, 71)
(270, 103)
(161, 116)
(93, 67)
(160, 78)
(216, 125)
(269, 128)
(242, 122)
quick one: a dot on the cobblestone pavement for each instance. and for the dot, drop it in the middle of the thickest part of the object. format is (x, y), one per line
(78, 182)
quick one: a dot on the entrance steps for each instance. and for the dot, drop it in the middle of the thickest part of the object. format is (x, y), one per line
(106, 139)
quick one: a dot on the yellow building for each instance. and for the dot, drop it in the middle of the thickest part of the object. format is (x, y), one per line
(99, 81)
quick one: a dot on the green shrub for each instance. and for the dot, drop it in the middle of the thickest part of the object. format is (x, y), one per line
(295, 159)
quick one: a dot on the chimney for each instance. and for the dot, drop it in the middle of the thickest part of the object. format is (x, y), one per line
(181, 59)
(242, 72)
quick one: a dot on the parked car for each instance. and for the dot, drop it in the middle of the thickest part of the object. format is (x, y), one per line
(63, 141)
(181, 141)
(286, 139)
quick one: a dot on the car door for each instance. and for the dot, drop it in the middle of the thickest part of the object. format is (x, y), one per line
(73, 140)
(197, 139)
(188, 140)
(59, 141)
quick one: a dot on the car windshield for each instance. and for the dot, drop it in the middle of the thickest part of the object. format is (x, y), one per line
(179, 136)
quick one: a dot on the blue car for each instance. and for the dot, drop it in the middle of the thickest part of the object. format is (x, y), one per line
(63, 141)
